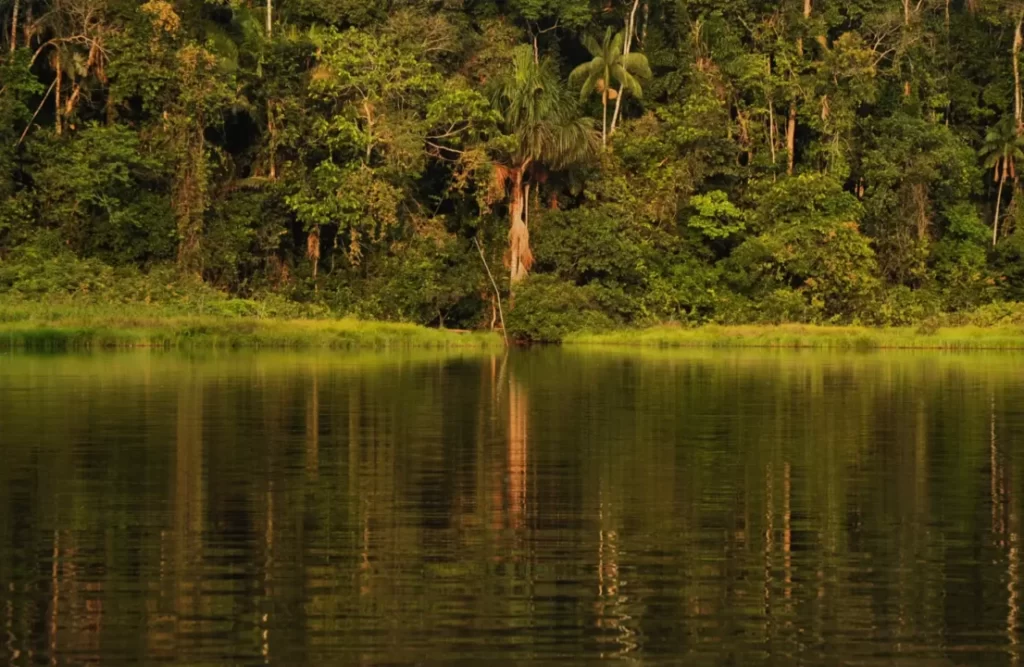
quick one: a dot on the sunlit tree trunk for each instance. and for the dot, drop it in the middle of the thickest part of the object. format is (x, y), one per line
(627, 45)
(771, 112)
(604, 115)
(313, 249)
(272, 138)
(520, 256)
(999, 199)
(14, 25)
(270, 110)
(56, 104)
(1017, 102)
(791, 124)
(791, 138)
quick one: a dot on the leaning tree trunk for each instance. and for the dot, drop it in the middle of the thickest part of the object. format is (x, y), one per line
(520, 255)
(999, 199)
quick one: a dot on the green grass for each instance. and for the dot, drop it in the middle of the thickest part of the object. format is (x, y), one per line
(67, 327)
(1003, 337)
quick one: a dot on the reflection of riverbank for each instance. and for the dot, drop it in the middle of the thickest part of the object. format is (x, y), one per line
(311, 509)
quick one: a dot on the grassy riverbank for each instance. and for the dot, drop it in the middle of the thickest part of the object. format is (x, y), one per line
(27, 326)
(1002, 337)
(244, 324)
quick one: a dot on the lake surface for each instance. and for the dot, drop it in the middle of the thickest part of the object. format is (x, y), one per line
(554, 506)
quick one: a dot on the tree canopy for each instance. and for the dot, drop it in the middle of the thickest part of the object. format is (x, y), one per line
(640, 160)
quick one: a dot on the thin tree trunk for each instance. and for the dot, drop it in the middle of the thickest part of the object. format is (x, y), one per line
(1017, 40)
(791, 124)
(56, 106)
(272, 135)
(771, 111)
(643, 31)
(627, 45)
(36, 114)
(497, 292)
(791, 139)
(14, 26)
(604, 118)
(270, 19)
(999, 198)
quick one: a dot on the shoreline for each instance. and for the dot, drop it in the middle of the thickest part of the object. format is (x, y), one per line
(806, 336)
(83, 327)
(212, 332)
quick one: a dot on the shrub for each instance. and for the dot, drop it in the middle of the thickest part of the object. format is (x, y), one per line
(547, 309)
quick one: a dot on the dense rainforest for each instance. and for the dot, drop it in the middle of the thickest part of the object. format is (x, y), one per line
(596, 162)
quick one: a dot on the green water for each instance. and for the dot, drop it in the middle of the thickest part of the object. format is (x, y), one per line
(557, 507)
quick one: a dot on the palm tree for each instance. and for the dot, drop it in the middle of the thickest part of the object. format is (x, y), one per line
(542, 130)
(610, 62)
(1003, 148)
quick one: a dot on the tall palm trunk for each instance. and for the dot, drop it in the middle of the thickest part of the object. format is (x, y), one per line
(999, 199)
(270, 18)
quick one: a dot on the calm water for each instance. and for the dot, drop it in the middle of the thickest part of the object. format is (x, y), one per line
(733, 508)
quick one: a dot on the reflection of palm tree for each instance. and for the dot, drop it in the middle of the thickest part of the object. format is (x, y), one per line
(517, 452)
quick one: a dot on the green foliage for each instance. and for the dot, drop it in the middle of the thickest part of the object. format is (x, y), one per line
(102, 193)
(809, 243)
(856, 165)
(547, 309)
(716, 217)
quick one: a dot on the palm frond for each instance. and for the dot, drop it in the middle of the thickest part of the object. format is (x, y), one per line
(616, 43)
(637, 64)
(591, 45)
(583, 72)
(629, 83)
(589, 86)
